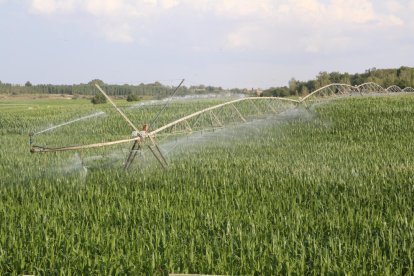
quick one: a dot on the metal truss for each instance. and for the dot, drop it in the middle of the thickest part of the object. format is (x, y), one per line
(338, 89)
(221, 115)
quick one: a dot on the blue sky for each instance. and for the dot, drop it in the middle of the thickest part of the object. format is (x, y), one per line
(228, 43)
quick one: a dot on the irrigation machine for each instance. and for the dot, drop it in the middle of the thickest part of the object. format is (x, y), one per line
(234, 111)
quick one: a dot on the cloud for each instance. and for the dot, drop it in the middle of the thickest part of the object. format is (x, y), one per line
(249, 24)
(243, 38)
(115, 19)
(326, 44)
(391, 21)
(105, 7)
(44, 6)
(309, 8)
(353, 11)
(318, 26)
(321, 13)
(118, 33)
(235, 8)
(52, 6)
(169, 4)
(394, 6)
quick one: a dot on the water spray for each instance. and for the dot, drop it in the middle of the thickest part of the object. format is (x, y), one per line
(96, 114)
(185, 125)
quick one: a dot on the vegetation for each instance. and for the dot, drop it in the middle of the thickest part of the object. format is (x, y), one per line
(98, 99)
(403, 77)
(326, 193)
(155, 89)
(133, 98)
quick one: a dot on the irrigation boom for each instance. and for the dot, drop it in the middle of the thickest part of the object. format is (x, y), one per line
(217, 116)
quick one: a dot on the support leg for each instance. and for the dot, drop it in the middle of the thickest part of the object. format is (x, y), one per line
(132, 154)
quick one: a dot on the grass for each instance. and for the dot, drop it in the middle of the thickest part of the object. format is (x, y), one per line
(329, 192)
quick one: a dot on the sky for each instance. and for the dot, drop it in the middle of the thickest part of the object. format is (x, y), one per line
(227, 43)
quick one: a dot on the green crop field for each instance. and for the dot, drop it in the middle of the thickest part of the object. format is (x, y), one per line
(329, 191)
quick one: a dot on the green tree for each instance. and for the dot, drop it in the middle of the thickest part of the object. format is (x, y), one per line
(404, 76)
(98, 99)
(304, 90)
(335, 77)
(97, 81)
(293, 86)
(358, 79)
(133, 98)
(345, 79)
(322, 80)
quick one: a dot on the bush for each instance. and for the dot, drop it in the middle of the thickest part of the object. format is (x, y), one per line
(133, 98)
(98, 99)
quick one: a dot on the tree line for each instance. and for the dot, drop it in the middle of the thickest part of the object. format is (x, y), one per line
(156, 89)
(403, 77)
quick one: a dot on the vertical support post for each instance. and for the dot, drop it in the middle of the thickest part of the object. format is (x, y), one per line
(157, 157)
(160, 157)
(132, 154)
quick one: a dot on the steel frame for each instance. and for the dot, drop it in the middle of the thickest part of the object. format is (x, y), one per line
(210, 114)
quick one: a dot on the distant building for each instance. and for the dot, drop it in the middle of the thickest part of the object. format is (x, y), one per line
(253, 91)
(258, 92)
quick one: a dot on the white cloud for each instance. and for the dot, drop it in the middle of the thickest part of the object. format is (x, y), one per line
(44, 6)
(394, 6)
(233, 9)
(169, 4)
(118, 33)
(52, 6)
(105, 7)
(242, 8)
(352, 11)
(391, 21)
(249, 22)
(307, 25)
(112, 8)
(283, 10)
(325, 44)
(244, 38)
(317, 12)
(114, 18)
(311, 8)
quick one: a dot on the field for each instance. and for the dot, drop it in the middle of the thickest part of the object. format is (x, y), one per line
(325, 191)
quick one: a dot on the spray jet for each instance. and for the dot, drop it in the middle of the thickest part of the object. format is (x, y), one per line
(145, 137)
(139, 137)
